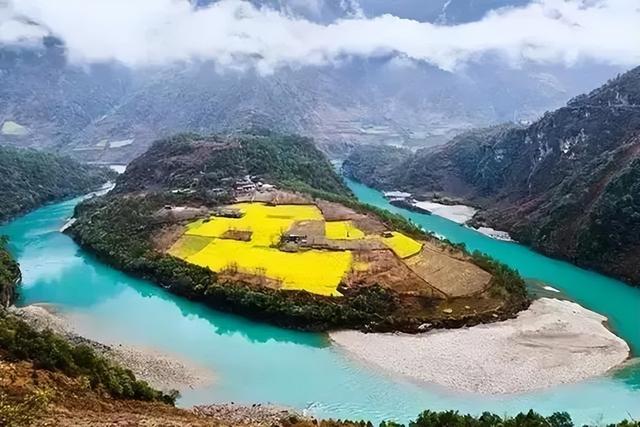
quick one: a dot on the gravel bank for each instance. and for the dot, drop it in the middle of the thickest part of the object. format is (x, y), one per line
(455, 213)
(553, 342)
(245, 415)
(495, 234)
(160, 370)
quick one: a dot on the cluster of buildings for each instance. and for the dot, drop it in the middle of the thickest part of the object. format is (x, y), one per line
(249, 184)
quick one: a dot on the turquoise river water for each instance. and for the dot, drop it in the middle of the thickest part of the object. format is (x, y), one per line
(255, 362)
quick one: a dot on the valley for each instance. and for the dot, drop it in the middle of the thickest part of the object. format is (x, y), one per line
(566, 184)
(288, 209)
(247, 237)
(254, 362)
(320, 213)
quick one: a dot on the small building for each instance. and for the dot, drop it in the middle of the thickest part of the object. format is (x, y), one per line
(245, 188)
(294, 238)
(183, 191)
(227, 213)
(387, 234)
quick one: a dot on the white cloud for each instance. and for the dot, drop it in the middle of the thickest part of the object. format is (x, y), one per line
(235, 33)
(14, 30)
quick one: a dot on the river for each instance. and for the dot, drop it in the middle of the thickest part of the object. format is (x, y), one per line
(255, 362)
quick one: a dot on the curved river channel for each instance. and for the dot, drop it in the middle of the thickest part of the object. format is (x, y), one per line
(255, 362)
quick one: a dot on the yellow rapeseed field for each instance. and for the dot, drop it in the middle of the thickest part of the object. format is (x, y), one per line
(317, 271)
(403, 246)
(341, 230)
(313, 270)
(266, 223)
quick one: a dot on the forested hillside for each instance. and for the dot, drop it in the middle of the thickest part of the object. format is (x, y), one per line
(200, 163)
(568, 184)
(9, 275)
(29, 178)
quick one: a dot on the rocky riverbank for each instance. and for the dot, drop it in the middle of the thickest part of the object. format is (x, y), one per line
(241, 415)
(553, 342)
(456, 212)
(160, 370)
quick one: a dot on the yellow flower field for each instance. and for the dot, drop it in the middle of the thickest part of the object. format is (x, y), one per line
(403, 246)
(266, 223)
(315, 271)
(189, 245)
(341, 230)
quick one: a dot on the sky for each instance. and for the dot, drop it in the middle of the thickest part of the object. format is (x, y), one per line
(236, 34)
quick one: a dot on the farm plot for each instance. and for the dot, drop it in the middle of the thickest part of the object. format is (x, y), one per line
(316, 271)
(403, 246)
(342, 230)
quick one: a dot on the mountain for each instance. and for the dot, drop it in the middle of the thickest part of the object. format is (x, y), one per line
(568, 184)
(200, 163)
(109, 113)
(30, 178)
(260, 224)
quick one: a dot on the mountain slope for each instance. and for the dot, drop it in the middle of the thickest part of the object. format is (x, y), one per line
(29, 178)
(200, 163)
(568, 184)
(106, 112)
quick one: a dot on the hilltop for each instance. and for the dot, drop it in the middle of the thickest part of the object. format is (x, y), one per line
(30, 178)
(568, 184)
(261, 225)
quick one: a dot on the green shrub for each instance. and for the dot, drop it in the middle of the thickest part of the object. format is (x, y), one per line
(46, 350)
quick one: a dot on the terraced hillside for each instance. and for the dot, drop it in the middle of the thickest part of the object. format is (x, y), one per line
(261, 225)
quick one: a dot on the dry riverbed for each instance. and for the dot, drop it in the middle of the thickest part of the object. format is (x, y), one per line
(553, 342)
(160, 370)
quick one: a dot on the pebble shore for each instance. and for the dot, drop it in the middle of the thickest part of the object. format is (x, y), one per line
(553, 342)
(160, 370)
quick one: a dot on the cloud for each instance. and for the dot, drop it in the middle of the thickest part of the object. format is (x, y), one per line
(14, 30)
(235, 33)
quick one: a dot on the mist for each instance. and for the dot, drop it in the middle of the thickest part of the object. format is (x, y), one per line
(236, 34)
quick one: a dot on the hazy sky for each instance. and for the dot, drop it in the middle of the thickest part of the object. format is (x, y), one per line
(236, 34)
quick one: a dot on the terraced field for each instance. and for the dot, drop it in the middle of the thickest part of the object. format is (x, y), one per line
(253, 244)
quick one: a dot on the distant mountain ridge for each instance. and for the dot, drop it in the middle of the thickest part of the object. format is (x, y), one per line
(109, 113)
(568, 184)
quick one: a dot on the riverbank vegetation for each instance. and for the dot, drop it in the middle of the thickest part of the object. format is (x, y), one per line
(30, 178)
(9, 275)
(487, 419)
(46, 350)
